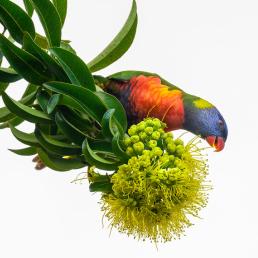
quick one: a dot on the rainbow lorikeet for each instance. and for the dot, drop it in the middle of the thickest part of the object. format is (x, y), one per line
(144, 95)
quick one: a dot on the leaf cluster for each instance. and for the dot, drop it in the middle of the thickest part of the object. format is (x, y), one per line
(76, 123)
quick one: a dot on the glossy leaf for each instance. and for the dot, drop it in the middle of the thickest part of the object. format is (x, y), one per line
(107, 124)
(70, 131)
(59, 164)
(119, 45)
(8, 75)
(117, 149)
(29, 151)
(25, 64)
(3, 87)
(61, 6)
(25, 112)
(50, 21)
(29, 7)
(112, 102)
(55, 146)
(54, 70)
(15, 20)
(53, 102)
(75, 68)
(12, 122)
(127, 75)
(26, 138)
(103, 187)
(93, 159)
(43, 98)
(6, 114)
(86, 98)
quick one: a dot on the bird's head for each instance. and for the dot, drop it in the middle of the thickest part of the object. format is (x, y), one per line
(204, 119)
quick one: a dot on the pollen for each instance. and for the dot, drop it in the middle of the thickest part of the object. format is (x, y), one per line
(154, 195)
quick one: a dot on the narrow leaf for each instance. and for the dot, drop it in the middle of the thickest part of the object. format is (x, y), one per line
(119, 45)
(58, 163)
(112, 102)
(29, 7)
(70, 131)
(50, 21)
(75, 68)
(16, 20)
(55, 146)
(61, 6)
(25, 64)
(117, 149)
(25, 152)
(86, 98)
(8, 75)
(54, 70)
(27, 113)
(6, 114)
(107, 124)
(93, 159)
(53, 102)
(26, 138)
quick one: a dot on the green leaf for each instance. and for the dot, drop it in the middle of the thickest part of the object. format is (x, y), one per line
(26, 138)
(107, 124)
(3, 87)
(25, 64)
(50, 21)
(103, 187)
(27, 113)
(43, 98)
(53, 102)
(6, 114)
(119, 45)
(55, 146)
(58, 163)
(86, 98)
(112, 102)
(8, 75)
(65, 45)
(28, 6)
(117, 149)
(25, 152)
(12, 122)
(93, 159)
(75, 68)
(61, 6)
(54, 70)
(69, 130)
(15, 20)
(127, 75)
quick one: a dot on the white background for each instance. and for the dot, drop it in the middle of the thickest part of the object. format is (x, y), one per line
(210, 49)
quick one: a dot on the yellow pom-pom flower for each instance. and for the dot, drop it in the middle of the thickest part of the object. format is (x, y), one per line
(163, 183)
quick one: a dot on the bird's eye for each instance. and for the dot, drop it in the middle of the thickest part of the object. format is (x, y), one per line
(221, 124)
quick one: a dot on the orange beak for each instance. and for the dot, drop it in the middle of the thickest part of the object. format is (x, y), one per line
(216, 142)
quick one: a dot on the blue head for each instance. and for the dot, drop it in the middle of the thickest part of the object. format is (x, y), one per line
(204, 119)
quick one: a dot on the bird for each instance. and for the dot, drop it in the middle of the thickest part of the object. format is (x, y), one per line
(146, 95)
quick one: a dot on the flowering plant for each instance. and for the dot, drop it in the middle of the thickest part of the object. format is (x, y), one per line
(156, 181)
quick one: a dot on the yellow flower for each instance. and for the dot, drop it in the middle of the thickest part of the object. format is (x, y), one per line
(154, 194)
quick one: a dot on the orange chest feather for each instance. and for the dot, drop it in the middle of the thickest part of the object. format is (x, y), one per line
(150, 98)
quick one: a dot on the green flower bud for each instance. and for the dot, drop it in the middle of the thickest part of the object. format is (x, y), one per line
(157, 151)
(179, 150)
(179, 142)
(148, 130)
(171, 147)
(171, 158)
(143, 136)
(141, 126)
(152, 144)
(138, 147)
(129, 151)
(132, 130)
(135, 138)
(127, 141)
(155, 135)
